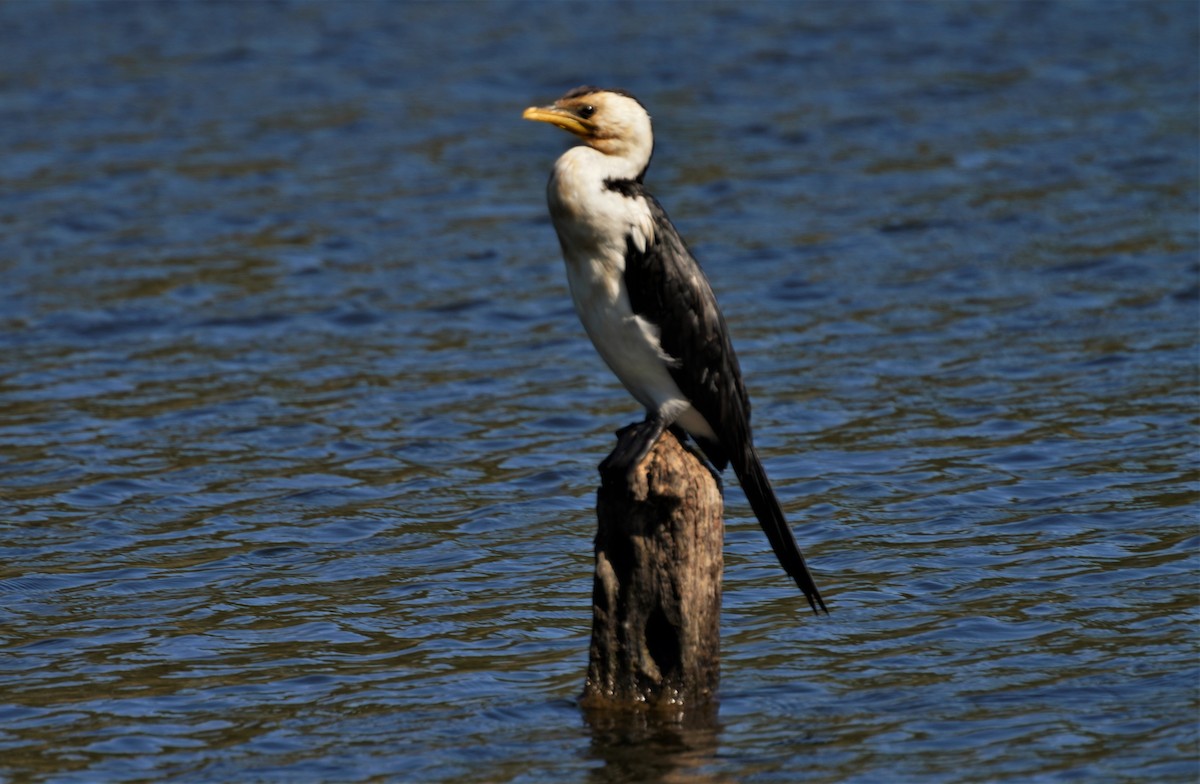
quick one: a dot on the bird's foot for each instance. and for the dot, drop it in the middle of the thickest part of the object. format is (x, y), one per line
(634, 442)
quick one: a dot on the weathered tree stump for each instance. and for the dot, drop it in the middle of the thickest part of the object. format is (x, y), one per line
(656, 594)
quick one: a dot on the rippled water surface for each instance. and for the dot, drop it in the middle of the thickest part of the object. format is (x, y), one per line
(298, 431)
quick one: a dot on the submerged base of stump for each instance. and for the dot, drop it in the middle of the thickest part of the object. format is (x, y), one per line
(656, 594)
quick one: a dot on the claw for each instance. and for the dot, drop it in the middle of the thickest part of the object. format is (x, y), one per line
(634, 442)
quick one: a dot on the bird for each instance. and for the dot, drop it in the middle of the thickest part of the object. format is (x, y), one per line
(648, 307)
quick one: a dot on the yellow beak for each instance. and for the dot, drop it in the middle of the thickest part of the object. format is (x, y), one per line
(560, 117)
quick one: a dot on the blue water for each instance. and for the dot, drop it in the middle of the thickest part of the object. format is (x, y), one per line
(298, 431)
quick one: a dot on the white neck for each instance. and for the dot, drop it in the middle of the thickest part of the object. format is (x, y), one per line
(586, 211)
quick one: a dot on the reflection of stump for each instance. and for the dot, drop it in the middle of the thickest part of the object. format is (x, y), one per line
(656, 594)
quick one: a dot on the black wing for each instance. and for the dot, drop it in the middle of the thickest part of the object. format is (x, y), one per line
(667, 288)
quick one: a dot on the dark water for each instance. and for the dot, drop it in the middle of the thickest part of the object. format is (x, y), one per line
(298, 431)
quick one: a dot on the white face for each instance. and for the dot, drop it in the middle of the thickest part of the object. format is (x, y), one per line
(621, 125)
(612, 123)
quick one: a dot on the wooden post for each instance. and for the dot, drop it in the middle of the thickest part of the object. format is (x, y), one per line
(656, 594)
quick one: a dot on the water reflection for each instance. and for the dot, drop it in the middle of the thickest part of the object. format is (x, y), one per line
(654, 746)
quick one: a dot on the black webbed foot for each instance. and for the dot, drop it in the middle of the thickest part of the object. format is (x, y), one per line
(634, 442)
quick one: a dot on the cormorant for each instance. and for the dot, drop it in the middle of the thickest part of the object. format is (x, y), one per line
(647, 306)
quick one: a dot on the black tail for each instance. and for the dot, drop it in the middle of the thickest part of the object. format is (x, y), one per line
(750, 473)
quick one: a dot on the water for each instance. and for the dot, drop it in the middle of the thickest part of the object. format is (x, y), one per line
(298, 431)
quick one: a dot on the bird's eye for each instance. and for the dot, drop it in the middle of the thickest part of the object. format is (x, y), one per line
(587, 111)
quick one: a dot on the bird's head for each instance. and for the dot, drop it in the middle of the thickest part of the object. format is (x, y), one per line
(611, 121)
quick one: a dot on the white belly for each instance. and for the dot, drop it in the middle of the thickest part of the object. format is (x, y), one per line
(629, 344)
